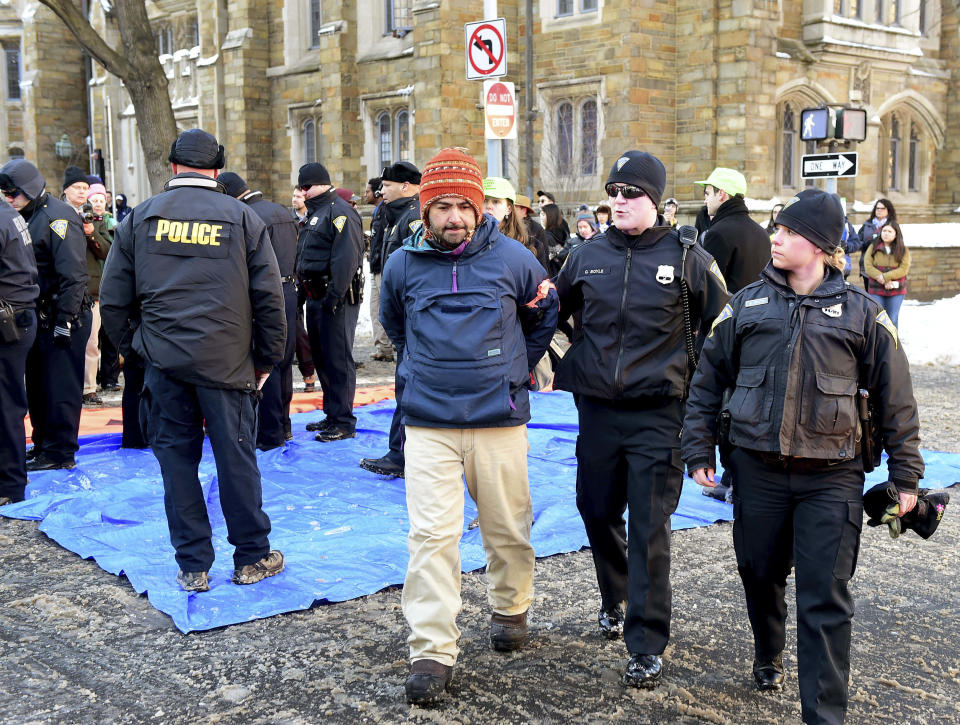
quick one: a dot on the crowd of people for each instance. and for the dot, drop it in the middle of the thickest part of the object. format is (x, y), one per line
(210, 293)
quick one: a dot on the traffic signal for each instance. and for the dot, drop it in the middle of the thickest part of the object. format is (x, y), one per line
(816, 124)
(852, 124)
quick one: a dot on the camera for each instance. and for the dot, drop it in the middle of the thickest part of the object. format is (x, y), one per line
(86, 212)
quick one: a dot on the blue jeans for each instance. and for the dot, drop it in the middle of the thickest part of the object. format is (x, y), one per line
(892, 305)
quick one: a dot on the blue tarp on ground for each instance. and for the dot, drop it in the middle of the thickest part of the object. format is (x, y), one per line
(343, 530)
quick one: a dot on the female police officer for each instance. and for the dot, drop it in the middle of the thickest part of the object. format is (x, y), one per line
(795, 346)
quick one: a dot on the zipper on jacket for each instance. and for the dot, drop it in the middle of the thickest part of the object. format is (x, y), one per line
(801, 314)
(618, 378)
(455, 288)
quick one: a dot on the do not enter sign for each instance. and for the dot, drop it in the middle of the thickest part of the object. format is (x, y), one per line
(499, 109)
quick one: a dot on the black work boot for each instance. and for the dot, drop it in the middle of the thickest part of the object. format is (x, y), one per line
(383, 466)
(427, 682)
(321, 424)
(508, 632)
(643, 671)
(610, 622)
(768, 674)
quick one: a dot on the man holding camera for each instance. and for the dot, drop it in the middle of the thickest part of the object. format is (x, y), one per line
(328, 263)
(98, 244)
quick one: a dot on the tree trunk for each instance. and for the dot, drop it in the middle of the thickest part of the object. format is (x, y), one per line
(139, 69)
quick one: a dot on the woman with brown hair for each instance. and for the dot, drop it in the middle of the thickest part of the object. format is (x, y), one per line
(886, 262)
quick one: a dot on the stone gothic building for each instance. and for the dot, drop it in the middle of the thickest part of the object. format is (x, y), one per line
(358, 84)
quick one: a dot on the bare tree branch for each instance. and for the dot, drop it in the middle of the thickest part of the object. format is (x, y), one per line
(88, 37)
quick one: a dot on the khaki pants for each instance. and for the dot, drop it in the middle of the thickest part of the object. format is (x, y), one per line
(494, 462)
(380, 340)
(92, 353)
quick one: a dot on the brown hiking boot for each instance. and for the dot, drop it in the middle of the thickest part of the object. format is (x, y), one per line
(427, 682)
(269, 565)
(193, 581)
(508, 632)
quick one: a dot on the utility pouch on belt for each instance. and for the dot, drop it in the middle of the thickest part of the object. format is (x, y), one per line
(355, 293)
(870, 446)
(9, 332)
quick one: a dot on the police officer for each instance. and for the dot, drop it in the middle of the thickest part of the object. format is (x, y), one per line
(400, 188)
(274, 428)
(629, 370)
(55, 364)
(795, 347)
(18, 328)
(331, 245)
(192, 269)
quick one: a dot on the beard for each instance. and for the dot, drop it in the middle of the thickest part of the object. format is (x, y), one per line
(450, 236)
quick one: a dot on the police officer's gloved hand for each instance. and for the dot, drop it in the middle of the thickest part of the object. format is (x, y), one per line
(61, 334)
(882, 505)
(331, 303)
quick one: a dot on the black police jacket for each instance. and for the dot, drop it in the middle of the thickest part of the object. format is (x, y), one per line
(18, 268)
(331, 243)
(795, 364)
(282, 227)
(192, 269)
(377, 229)
(740, 245)
(628, 289)
(405, 213)
(60, 248)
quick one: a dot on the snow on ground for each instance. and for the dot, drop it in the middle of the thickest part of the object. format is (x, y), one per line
(929, 331)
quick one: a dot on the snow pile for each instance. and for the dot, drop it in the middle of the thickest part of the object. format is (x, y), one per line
(929, 331)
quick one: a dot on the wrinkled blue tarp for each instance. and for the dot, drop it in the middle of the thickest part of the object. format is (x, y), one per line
(343, 530)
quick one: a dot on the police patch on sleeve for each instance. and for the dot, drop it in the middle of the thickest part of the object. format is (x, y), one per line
(725, 314)
(715, 271)
(883, 319)
(59, 227)
(339, 222)
(414, 225)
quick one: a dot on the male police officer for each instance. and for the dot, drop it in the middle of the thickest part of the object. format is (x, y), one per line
(400, 188)
(55, 364)
(274, 428)
(331, 245)
(193, 271)
(630, 370)
(18, 328)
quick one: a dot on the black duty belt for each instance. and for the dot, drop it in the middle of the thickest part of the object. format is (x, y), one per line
(795, 464)
(289, 278)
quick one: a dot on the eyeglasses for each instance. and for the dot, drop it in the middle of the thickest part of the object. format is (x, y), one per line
(881, 207)
(629, 191)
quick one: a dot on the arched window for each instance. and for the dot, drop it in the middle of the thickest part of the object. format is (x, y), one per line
(385, 140)
(789, 133)
(893, 159)
(403, 134)
(913, 166)
(309, 135)
(565, 138)
(14, 153)
(588, 138)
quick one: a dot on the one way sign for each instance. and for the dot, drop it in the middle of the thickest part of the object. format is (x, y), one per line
(818, 166)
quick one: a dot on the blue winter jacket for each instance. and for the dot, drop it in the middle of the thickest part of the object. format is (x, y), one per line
(468, 332)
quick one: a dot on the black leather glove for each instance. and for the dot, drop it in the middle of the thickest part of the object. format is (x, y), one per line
(61, 334)
(331, 304)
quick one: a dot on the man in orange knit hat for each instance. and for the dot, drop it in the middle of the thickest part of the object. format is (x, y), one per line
(472, 312)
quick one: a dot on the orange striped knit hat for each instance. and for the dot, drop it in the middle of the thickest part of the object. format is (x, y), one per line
(452, 172)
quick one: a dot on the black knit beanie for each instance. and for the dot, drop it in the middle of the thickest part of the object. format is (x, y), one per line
(816, 215)
(640, 169)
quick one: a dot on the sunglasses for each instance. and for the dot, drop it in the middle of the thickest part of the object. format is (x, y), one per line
(9, 192)
(627, 190)
(305, 187)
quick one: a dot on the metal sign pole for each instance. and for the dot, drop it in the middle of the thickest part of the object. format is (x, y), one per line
(494, 146)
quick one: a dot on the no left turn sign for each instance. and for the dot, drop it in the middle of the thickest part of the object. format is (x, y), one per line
(486, 49)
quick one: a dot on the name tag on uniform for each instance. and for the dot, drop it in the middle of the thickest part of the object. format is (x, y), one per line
(758, 301)
(595, 270)
(180, 238)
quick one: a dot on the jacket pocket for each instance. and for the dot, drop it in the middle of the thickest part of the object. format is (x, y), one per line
(750, 401)
(849, 546)
(458, 326)
(829, 406)
(457, 397)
